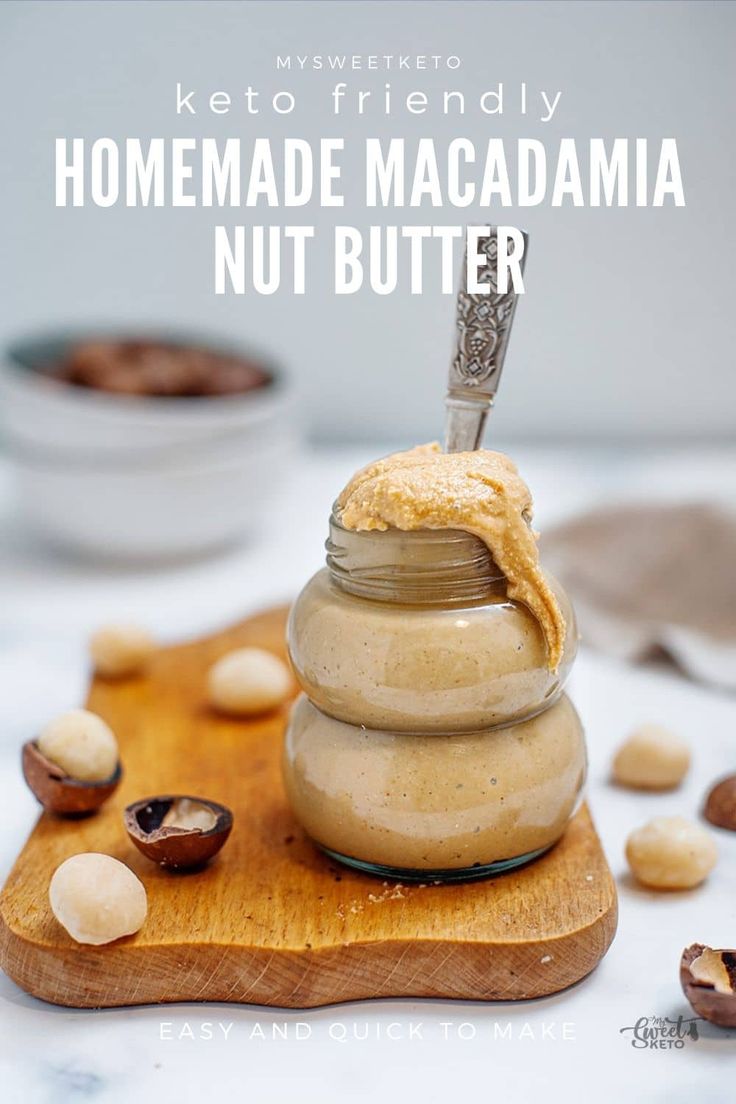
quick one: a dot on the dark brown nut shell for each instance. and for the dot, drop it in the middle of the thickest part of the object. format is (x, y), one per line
(720, 804)
(59, 792)
(173, 847)
(719, 1008)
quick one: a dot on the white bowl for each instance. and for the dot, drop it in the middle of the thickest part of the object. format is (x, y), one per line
(142, 477)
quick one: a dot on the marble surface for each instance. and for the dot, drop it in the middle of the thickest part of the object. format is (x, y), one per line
(556, 1048)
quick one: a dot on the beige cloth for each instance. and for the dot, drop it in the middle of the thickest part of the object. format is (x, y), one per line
(653, 579)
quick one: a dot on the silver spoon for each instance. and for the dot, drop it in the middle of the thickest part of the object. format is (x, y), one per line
(483, 327)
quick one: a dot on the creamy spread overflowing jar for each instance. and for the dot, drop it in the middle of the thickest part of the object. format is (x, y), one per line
(433, 739)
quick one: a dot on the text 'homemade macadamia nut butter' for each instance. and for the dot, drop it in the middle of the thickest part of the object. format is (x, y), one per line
(433, 738)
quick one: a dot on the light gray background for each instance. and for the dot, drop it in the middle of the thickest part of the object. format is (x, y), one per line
(627, 328)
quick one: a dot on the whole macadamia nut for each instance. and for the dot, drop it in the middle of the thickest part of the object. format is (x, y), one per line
(248, 681)
(97, 899)
(652, 758)
(671, 853)
(120, 650)
(81, 744)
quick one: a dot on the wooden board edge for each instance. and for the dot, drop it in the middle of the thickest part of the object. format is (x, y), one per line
(82, 977)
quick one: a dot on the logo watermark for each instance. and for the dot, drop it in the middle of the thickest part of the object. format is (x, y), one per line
(662, 1033)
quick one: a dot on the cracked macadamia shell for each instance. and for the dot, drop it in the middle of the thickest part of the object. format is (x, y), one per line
(177, 830)
(120, 650)
(708, 979)
(248, 681)
(81, 744)
(652, 758)
(671, 853)
(58, 791)
(97, 898)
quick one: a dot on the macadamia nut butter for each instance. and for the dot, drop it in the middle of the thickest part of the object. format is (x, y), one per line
(433, 738)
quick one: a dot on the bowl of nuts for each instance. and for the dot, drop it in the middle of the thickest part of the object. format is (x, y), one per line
(144, 446)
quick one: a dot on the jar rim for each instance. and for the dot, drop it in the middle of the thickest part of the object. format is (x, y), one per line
(422, 566)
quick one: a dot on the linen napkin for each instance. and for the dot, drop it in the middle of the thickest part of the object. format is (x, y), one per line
(648, 580)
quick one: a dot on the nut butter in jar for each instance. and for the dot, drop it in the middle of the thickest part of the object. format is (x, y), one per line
(432, 740)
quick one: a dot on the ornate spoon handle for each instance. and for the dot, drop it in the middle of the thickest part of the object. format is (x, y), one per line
(483, 327)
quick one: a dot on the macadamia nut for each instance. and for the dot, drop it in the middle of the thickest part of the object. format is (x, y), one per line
(190, 816)
(248, 681)
(120, 650)
(671, 853)
(652, 758)
(97, 899)
(81, 744)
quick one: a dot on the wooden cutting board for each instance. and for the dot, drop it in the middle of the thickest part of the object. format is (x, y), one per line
(272, 921)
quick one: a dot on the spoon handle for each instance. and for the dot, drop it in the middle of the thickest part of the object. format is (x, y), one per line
(483, 327)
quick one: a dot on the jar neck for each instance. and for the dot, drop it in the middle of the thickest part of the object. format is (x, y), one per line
(434, 567)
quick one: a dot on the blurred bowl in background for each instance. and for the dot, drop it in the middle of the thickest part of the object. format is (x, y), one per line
(142, 476)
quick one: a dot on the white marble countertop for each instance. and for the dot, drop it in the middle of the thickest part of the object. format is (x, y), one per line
(564, 1047)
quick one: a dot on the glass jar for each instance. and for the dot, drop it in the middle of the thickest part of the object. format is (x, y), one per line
(432, 741)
